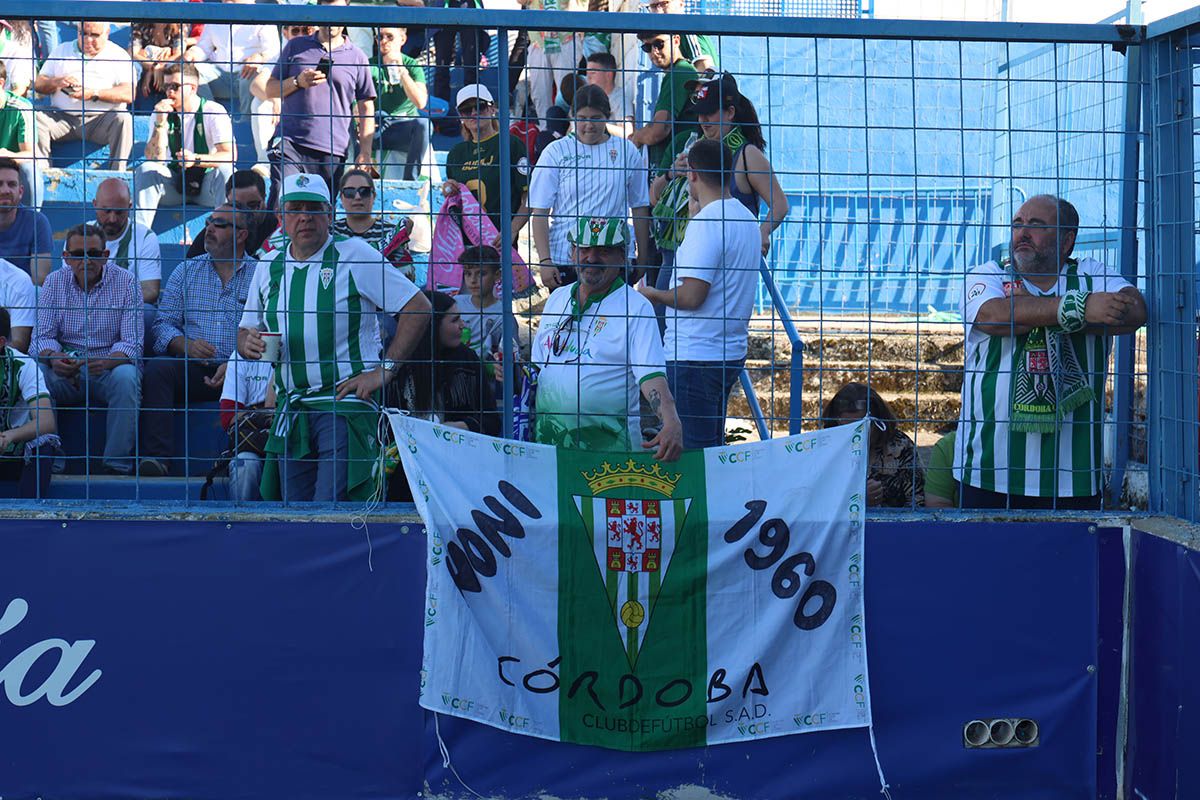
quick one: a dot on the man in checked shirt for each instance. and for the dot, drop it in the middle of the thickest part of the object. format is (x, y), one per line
(194, 333)
(89, 339)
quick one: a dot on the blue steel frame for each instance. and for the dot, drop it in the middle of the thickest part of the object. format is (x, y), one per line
(1169, 189)
(1171, 260)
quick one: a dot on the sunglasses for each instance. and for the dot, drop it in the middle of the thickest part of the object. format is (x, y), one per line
(219, 224)
(79, 255)
(350, 192)
(658, 44)
(470, 108)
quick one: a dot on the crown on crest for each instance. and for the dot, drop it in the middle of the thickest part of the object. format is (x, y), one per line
(631, 474)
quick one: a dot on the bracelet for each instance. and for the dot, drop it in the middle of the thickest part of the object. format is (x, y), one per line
(1072, 311)
(546, 260)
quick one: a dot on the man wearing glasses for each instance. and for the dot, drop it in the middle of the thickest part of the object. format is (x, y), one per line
(191, 151)
(318, 297)
(89, 339)
(194, 333)
(597, 349)
(672, 111)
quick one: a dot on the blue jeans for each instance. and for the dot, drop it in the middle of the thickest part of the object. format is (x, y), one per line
(406, 138)
(701, 390)
(245, 472)
(663, 281)
(120, 389)
(322, 474)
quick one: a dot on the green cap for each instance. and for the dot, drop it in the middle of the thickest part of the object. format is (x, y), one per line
(599, 232)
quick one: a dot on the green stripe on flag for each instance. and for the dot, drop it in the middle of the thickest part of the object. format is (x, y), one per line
(614, 692)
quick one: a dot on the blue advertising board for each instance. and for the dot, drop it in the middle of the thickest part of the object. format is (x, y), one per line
(265, 660)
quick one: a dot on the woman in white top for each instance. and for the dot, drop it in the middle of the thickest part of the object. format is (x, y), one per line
(589, 173)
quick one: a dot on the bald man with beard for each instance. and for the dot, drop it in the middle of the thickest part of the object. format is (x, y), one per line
(131, 246)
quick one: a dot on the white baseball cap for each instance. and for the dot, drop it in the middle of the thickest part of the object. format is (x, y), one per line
(302, 186)
(474, 91)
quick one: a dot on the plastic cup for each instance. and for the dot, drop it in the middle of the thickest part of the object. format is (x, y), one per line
(271, 340)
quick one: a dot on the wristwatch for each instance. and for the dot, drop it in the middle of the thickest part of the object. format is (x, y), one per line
(390, 366)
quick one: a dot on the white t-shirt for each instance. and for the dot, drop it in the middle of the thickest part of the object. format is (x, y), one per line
(218, 129)
(593, 362)
(111, 67)
(228, 46)
(334, 307)
(485, 324)
(142, 255)
(17, 295)
(723, 248)
(30, 386)
(246, 380)
(576, 180)
(18, 60)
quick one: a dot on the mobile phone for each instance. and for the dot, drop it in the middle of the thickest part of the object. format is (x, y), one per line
(324, 64)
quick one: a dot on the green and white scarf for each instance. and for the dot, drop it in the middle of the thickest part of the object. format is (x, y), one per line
(670, 213)
(1050, 382)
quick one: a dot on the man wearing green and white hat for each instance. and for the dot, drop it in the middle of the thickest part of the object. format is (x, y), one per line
(319, 296)
(597, 348)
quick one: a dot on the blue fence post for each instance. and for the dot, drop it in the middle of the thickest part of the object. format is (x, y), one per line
(1170, 216)
(506, 210)
(1124, 360)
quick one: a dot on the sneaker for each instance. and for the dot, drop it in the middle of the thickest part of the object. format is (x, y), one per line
(152, 468)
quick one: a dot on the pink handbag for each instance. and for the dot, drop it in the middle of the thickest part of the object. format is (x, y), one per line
(461, 223)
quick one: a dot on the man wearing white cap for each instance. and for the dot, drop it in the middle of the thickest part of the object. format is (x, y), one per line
(318, 297)
(597, 348)
(474, 163)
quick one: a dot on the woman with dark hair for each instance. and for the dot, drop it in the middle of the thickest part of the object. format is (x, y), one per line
(727, 115)
(444, 380)
(894, 475)
(590, 173)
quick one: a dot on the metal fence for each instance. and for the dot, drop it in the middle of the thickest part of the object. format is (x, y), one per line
(903, 149)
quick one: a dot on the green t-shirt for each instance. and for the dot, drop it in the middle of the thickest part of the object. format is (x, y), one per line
(392, 99)
(692, 46)
(939, 475)
(477, 165)
(676, 100)
(12, 121)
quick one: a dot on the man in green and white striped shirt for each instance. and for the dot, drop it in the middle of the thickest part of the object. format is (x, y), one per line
(320, 295)
(1038, 330)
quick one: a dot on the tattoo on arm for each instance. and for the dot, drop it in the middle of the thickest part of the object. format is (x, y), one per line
(656, 403)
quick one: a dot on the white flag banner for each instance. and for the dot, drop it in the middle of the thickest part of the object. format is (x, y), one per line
(608, 599)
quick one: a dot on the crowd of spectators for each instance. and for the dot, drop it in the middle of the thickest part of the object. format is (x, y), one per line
(647, 231)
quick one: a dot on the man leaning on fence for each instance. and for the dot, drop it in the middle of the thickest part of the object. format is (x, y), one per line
(318, 298)
(89, 338)
(194, 334)
(596, 349)
(1039, 328)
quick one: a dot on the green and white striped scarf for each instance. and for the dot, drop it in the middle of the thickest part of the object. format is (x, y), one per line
(1049, 382)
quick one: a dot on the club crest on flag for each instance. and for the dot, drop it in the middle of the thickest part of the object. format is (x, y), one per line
(633, 541)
